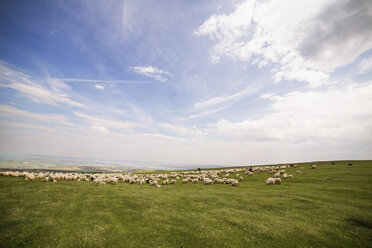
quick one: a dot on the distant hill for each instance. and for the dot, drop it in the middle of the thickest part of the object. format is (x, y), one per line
(55, 163)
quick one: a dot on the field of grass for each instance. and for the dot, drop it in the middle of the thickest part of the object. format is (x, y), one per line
(330, 206)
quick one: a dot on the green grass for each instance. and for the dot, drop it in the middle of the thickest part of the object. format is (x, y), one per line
(330, 206)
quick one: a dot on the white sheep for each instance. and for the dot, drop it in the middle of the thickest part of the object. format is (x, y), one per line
(313, 166)
(270, 181)
(235, 183)
(278, 180)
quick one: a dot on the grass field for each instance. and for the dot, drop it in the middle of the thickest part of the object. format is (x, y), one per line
(330, 206)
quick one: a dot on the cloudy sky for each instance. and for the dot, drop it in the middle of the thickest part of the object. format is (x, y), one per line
(207, 82)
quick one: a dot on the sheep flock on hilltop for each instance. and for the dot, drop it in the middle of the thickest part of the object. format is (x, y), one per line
(208, 177)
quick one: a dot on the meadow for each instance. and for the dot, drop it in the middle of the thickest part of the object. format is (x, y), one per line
(330, 206)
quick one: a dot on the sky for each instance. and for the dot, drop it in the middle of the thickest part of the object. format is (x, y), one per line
(188, 82)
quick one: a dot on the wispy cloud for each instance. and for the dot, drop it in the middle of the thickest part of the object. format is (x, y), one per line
(226, 98)
(104, 124)
(152, 72)
(81, 80)
(12, 112)
(27, 86)
(181, 130)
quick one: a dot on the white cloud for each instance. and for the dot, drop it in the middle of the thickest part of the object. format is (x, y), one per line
(99, 86)
(306, 40)
(26, 86)
(365, 65)
(152, 72)
(338, 115)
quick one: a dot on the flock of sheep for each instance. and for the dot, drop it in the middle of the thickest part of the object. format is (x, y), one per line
(221, 176)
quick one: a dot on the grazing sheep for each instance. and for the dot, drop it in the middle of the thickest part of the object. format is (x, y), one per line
(270, 181)
(154, 183)
(250, 174)
(298, 172)
(278, 180)
(313, 166)
(290, 176)
(185, 181)
(235, 183)
(241, 178)
(30, 177)
(208, 181)
(277, 175)
(112, 180)
(285, 176)
(173, 182)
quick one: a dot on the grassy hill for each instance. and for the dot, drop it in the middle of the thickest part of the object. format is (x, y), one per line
(330, 206)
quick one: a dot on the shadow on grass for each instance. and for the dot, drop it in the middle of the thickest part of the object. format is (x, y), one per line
(360, 222)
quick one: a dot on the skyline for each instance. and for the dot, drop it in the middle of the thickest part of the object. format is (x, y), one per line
(212, 82)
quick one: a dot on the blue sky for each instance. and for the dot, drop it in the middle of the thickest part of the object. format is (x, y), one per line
(207, 82)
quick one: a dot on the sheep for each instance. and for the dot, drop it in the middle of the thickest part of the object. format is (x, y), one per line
(277, 175)
(98, 181)
(241, 178)
(298, 172)
(112, 180)
(250, 174)
(313, 166)
(154, 183)
(165, 182)
(235, 183)
(195, 181)
(270, 181)
(30, 177)
(208, 181)
(173, 182)
(278, 180)
(285, 176)
(290, 176)
(185, 181)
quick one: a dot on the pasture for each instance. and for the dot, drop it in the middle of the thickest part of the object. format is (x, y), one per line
(330, 206)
